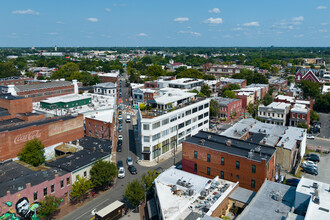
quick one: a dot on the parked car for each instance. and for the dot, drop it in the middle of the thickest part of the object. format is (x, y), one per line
(310, 170)
(118, 147)
(292, 182)
(309, 164)
(120, 137)
(132, 169)
(120, 129)
(310, 137)
(312, 157)
(128, 119)
(121, 172)
(120, 164)
(120, 117)
(129, 161)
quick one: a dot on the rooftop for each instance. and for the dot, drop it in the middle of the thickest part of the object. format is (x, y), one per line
(21, 88)
(115, 74)
(225, 101)
(65, 98)
(105, 116)
(185, 81)
(10, 121)
(91, 143)
(315, 210)
(173, 96)
(77, 160)
(242, 195)
(8, 96)
(286, 98)
(276, 105)
(106, 85)
(272, 201)
(299, 108)
(173, 187)
(241, 148)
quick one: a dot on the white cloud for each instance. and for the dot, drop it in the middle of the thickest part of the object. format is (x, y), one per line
(324, 23)
(107, 9)
(298, 36)
(143, 35)
(26, 12)
(190, 32)
(214, 10)
(252, 24)
(299, 18)
(92, 19)
(323, 30)
(181, 19)
(214, 21)
(237, 29)
(321, 7)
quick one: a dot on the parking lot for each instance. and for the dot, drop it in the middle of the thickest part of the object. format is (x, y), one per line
(323, 168)
(325, 127)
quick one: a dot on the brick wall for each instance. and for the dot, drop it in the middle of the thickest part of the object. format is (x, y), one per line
(98, 129)
(51, 133)
(108, 79)
(244, 173)
(41, 94)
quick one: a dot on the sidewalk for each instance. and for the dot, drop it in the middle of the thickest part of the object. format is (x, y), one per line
(161, 158)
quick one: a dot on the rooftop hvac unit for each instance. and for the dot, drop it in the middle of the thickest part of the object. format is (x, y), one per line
(315, 185)
(174, 188)
(190, 192)
(203, 193)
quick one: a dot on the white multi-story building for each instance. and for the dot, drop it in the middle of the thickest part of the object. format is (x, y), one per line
(274, 113)
(176, 117)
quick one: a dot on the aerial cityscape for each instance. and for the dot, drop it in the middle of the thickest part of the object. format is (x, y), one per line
(174, 110)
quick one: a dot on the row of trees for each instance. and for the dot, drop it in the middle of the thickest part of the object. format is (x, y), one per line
(251, 77)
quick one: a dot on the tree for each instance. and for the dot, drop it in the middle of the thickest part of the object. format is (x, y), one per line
(322, 103)
(180, 69)
(206, 90)
(191, 73)
(214, 108)
(147, 60)
(309, 88)
(8, 69)
(208, 77)
(314, 116)
(274, 69)
(48, 206)
(251, 77)
(80, 187)
(230, 87)
(66, 71)
(33, 153)
(142, 106)
(102, 173)
(267, 99)
(149, 179)
(135, 192)
(229, 94)
(302, 125)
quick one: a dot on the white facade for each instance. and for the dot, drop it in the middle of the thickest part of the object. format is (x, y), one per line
(274, 113)
(157, 135)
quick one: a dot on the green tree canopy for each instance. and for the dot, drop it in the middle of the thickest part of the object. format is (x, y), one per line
(267, 99)
(310, 89)
(102, 173)
(302, 125)
(33, 153)
(8, 69)
(135, 192)
(206, 90)
(80, 187)
(314, 116)
(66, 71)
(231, 87)
(142, 106)
(229, 94)
(251, 77)
(149, 178)
(322, 103)
(48, 206)
(190, 73)
(214, 108)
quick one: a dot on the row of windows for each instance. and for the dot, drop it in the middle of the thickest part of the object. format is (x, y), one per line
(222, 175)
(272, 114)
(222, 162)
(52, 189)
(176, 117)
(50, 93)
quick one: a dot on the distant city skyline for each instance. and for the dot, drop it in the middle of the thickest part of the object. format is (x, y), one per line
(132, 23)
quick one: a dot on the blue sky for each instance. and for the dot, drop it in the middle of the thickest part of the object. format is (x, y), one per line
(218, 23)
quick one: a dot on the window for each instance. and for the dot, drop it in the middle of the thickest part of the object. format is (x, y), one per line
(200, 108)
(194, 119)
(90, 132)
(195, 167)
(206, 105)
(145, 127)
(165, 121)
(206, 114)
(188, 122)
(173, 129)
(85, 174)
(208, 171)
(206, 121)
(68, 181)
(194, 110)
(52, 188)
(155, 137)
(95, 125)
(237, 165)
(222, 161)
(45, 191)
(253, 183)
(173, 118)
(237, 177)
(146, 138)
(62, 184)
(166, 132)
(208, 157)
(188, 112)
(200, 124)
(222, 175)
(253, 168)
(156, 125)
(195, 154)
(35, 195)
(200, 117)
(181, 125)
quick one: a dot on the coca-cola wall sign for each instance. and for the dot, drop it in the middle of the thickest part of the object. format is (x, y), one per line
(24, 137)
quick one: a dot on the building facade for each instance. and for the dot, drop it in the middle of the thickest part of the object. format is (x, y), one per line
(100, 125)
(299, 114)
(208, 154)
(229, 108)
(275, 113)
(109, 89)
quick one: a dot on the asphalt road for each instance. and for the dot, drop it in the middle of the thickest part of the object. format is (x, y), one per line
(86, 212)
(325, 127)
(323, 166)
(324, 143)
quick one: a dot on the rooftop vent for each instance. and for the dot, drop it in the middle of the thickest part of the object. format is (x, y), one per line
(315, 185)
(228, 142)
(209, 136)
(277, 196)
(202, 141)
(258, 149)
(250, 155)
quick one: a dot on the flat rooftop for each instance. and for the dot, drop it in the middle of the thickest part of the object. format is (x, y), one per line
(10, 121)
(65, 98)
(224, 101)
(91, 143)
(53, 84)
(8, 96)
(176, 203)
(171, 97)
(105, 116)
(277, 105)
(185, 81)
(272, 201)
(106, 85)
(237, 147)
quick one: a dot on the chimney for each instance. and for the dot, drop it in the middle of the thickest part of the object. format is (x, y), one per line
(282, 145)
(75, 86)
(8, 193)
(264, 141)
(28, 185)
(228, 142)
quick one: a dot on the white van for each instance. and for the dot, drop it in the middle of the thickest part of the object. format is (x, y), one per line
(128, 119)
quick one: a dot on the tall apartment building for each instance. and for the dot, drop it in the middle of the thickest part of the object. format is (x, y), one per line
(176, 116)
(275, 113)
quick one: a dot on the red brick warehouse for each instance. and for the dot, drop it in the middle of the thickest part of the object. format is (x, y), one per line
(210, 155)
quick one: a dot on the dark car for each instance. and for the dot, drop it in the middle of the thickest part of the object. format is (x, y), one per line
(132, 169)
(120, 164)
(120, 128)
(119, 147)
(292, 182)
(312, 157)
(310, 170)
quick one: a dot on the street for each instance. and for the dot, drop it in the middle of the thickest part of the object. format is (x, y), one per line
(325, 127)
(87, 211)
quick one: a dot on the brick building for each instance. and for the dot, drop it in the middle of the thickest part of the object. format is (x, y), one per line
(50, 131)
(100, 124)
(229, 108)
(109, 77)
(224, 82)
(11, 105)
(151, 84)
(42, 91)
(14, 80)
(208, 154)
(279, 85)
(299, 114)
